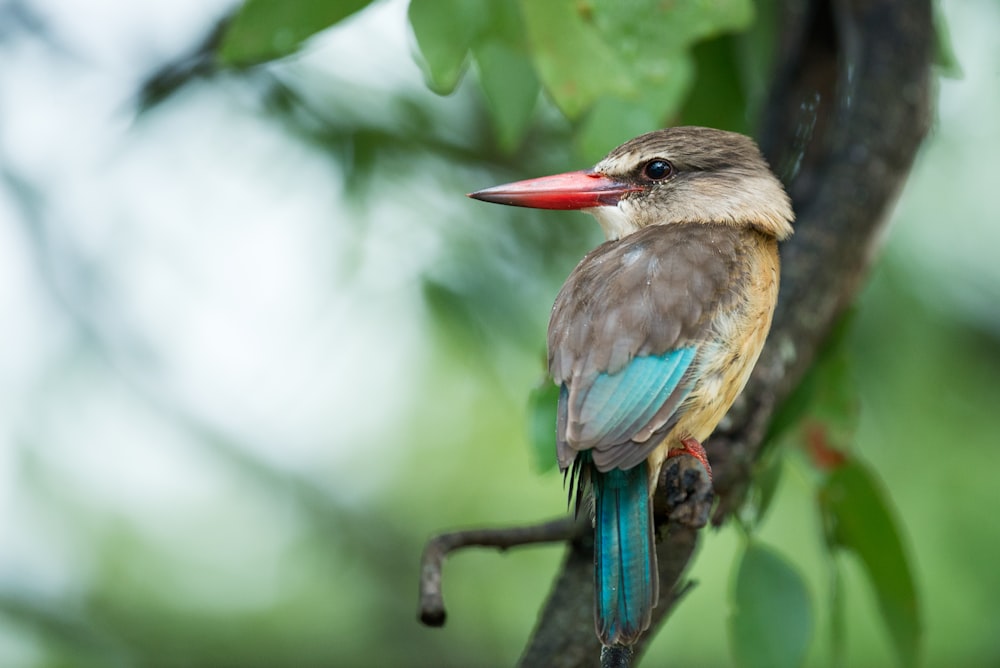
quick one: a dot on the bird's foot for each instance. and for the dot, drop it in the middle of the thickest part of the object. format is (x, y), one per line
(684, 494)
(693, 447)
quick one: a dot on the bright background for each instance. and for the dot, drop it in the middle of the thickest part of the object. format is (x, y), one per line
(252, 359)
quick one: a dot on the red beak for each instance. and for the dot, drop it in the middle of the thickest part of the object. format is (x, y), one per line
(573, 190)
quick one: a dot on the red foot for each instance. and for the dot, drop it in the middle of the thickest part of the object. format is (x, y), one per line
(693, 447)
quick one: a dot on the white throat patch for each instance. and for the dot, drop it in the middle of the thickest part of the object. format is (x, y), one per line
(613, 220)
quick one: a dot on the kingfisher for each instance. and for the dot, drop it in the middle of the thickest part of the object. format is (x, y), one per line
(656, 331)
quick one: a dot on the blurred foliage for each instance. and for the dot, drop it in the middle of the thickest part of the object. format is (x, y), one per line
(267, 29)
(599, 62)
(597, 67)
(857, 519)
(771, 621)
(494, 33)
(543, 411)
(944, 54)
(821, 417)
(315, 564)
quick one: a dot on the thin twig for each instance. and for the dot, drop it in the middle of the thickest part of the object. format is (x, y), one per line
(432, 612)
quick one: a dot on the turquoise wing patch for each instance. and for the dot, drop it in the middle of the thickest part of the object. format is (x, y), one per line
(618, 405)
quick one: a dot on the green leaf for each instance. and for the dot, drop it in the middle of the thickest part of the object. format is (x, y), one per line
(610, 122)
(268, 29)
(543, 406)
(717, 97)
(511, 88)
(772, 619)
(944, 50)
(857, 517)
(574, 61)
(451, 311)
(755, 50)
(643, 26)
(445, 31)
(636, 50)
(836, 402)
(765, 481)
(838, 612)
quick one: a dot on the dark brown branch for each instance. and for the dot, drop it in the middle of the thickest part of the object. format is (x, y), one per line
(432, 612)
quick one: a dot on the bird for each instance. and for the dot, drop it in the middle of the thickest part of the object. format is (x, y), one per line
(656, 331)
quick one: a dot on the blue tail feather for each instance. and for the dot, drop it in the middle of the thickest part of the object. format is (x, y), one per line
(624, 554)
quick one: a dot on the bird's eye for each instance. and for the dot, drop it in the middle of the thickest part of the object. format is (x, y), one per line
(657, 169)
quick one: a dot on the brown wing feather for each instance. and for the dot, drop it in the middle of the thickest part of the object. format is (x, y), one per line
(651, 292)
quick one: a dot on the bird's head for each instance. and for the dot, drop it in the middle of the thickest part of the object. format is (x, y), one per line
(676, 175)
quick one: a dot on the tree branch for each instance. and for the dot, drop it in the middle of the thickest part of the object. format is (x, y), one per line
(432, 612)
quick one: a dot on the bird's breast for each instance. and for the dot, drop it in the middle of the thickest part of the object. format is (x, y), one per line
(728, 355)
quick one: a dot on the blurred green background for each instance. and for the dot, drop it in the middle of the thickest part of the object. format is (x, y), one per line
(258, 346)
